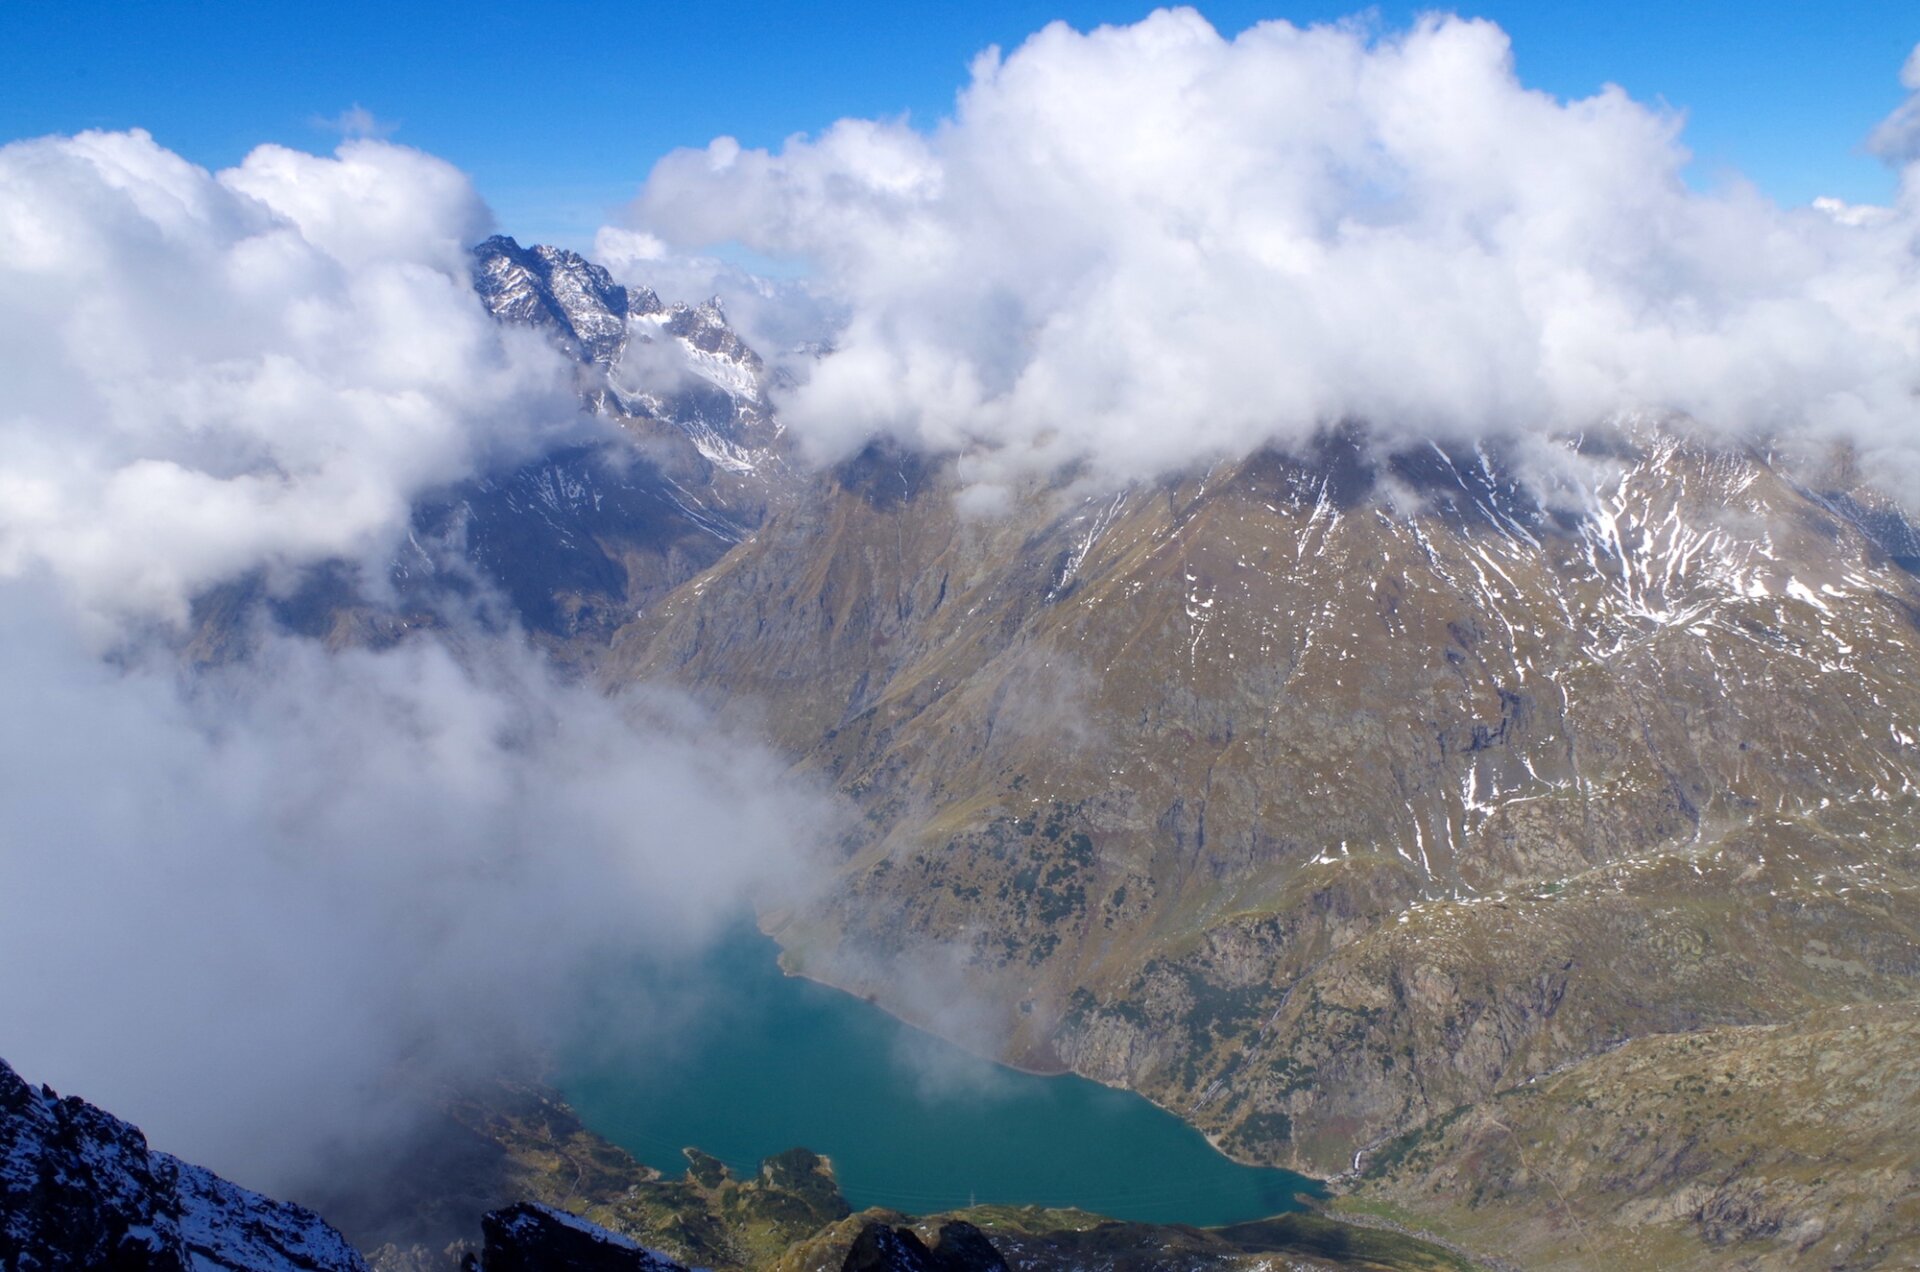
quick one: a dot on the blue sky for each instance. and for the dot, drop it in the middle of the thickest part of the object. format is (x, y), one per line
(558, 110)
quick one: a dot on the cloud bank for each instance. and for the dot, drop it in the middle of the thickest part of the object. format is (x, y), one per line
(210, 373)
(267, 913)
(265, 909)
(1147, 246)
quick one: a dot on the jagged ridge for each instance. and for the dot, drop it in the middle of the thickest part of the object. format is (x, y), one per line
(79, 1188)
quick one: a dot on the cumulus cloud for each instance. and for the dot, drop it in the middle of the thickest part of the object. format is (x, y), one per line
(261, 908)
(1144, 246)
(206, 373)
(1897, 139)
(776, 316)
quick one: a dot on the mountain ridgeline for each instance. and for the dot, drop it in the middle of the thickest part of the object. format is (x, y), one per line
(1336, 800)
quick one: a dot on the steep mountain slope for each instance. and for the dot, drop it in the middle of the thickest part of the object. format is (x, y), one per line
(581, 538)
(79, 1188)
(1769, 1146)
(560, 292)
(1319, 796)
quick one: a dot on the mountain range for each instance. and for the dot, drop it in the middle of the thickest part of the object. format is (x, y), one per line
(1526, 841)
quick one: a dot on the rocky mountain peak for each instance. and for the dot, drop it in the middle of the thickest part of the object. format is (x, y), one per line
(696, 374)
(550, 287)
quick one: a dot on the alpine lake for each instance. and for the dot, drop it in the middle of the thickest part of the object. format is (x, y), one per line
(909, 1121)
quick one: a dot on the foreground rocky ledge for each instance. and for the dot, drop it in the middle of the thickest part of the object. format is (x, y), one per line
(79, 1188)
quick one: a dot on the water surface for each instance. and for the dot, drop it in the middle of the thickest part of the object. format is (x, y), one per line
(909, 1121)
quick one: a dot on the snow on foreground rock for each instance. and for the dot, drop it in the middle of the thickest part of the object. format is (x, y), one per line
(79, 1188)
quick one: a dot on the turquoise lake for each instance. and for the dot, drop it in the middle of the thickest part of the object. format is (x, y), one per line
(909, 1121)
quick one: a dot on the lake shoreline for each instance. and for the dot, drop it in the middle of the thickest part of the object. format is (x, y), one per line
(913, 1121)
(1061, 1071)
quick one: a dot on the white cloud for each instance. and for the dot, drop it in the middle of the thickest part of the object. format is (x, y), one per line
(207, 373)
(624, 250)
(1897, 139)
(774, 315)
(260, 908)
(1148, 245)
(357, 121)
(259, 912)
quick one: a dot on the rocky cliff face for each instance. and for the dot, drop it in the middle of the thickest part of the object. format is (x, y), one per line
(680, 366)
(1770, 1146)
(561, 293)
(959, 1247)
(79, 1188)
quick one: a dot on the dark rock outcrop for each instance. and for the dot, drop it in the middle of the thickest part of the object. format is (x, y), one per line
(959, 1247)
(79, 1188)
(533, 1238)
(559, 292)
